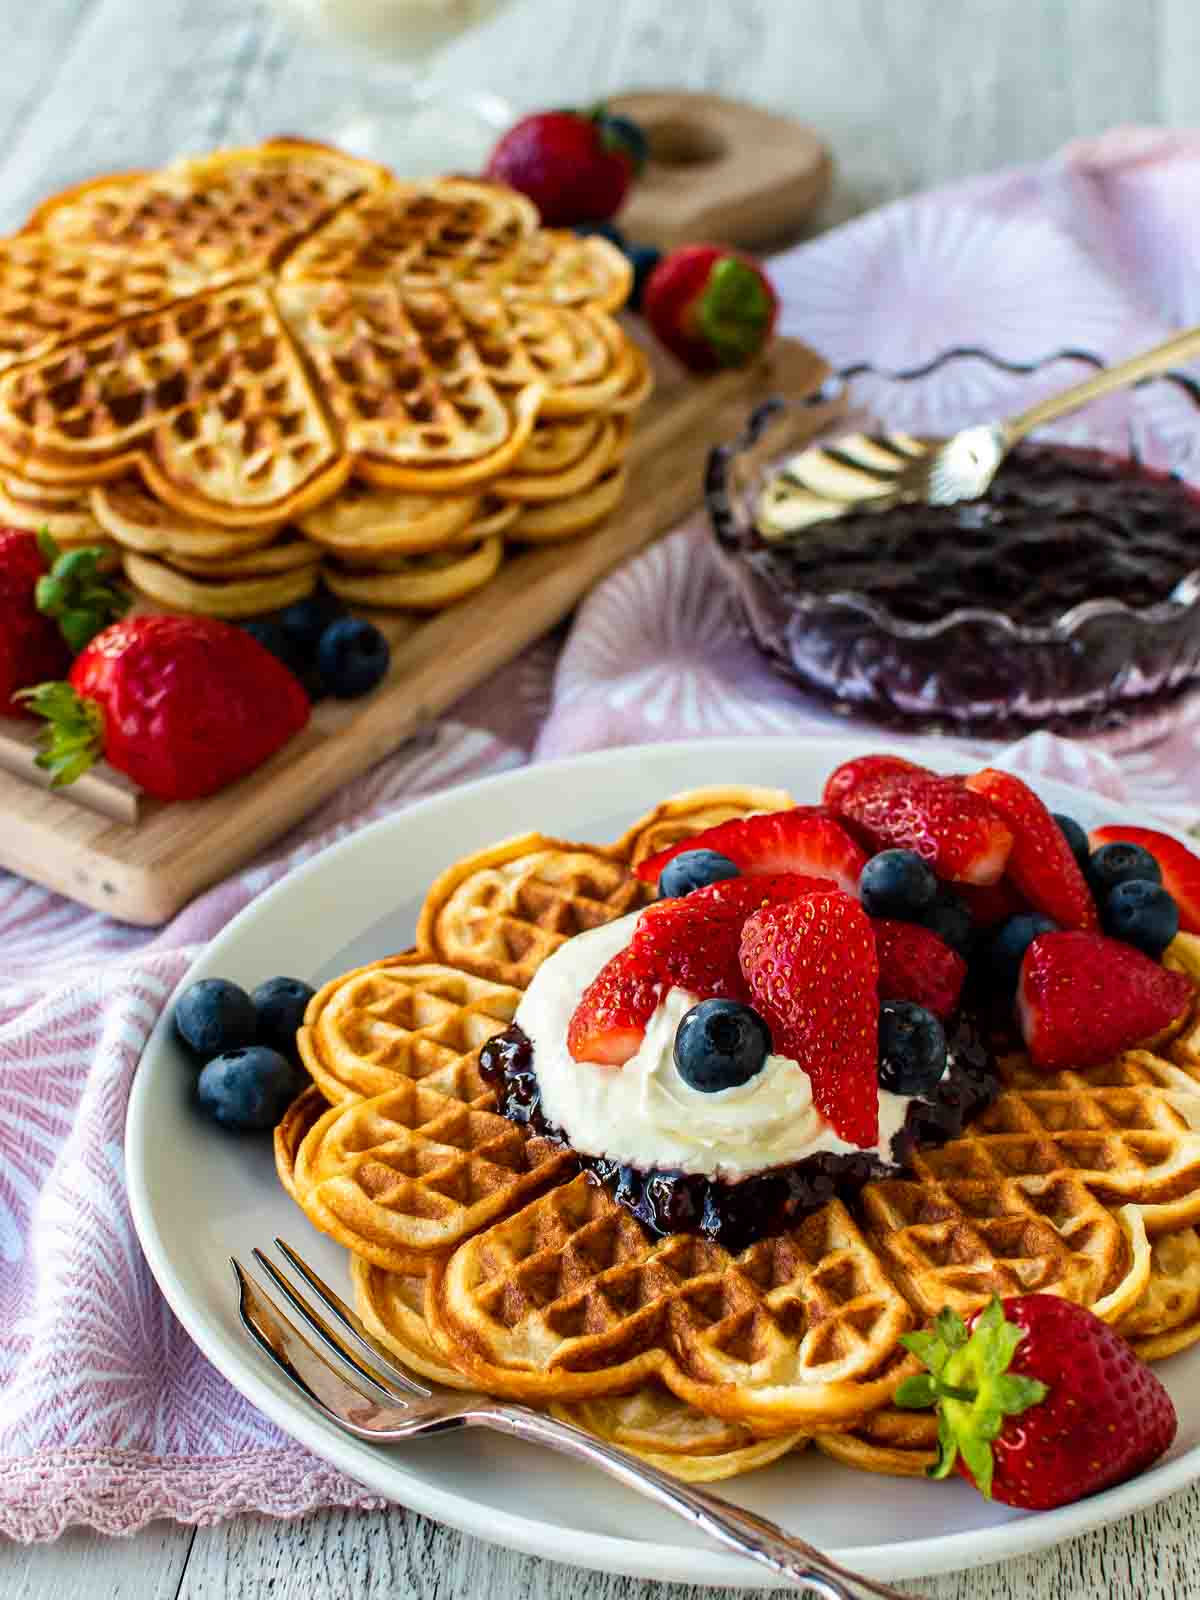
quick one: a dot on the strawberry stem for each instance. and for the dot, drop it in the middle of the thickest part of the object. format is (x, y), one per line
(75, 594)
(970, 1384)
(734, 312)
(73, 739)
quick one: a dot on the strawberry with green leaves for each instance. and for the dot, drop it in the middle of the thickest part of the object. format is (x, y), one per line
(50, 606)
(182, 705)
(576, 166)
(711, 306)
(1039, 1402)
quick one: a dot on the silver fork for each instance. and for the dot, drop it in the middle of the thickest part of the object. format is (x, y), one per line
(873, 472)
(368, 1394)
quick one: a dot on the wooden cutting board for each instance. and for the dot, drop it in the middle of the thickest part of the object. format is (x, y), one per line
(140, 860)
(721, 170)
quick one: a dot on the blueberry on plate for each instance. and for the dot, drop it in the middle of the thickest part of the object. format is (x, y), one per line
(273, 636)
(352, 657)
(693, 869)
(897, 883)
(279, 1005)
(1142, 914)
(247, 1089)
(1120, 862)
(214, 1015)
(1076, 837)
(948, 917)
(1008, 945)
(720, 1044)
(304, 622)
(912, 1048)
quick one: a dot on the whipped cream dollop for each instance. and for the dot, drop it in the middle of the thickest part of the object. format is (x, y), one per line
(644, 1114)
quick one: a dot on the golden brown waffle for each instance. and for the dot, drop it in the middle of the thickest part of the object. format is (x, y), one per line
(71, 524)
(568, 1299)
(1166, 1319)
(411, 1172)
(539, 486)
(290, 552)
(578, 513)
(901, 1444)
(365, 521)
(131, 515)
(230, 213)
(651, 1421)
(500, 913)
(427, 582)
(403, 1020)
(245, 329)
(308, 1108)
(218, 597)
(40, 494)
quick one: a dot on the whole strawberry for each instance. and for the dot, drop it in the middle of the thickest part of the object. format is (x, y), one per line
(50, 605)
(576, 166)
(711, 306)
(183, 705)
(1039, 1403)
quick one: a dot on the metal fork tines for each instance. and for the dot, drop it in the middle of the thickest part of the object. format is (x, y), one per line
(325, 1350)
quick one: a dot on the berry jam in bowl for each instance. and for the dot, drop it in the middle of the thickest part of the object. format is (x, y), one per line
(1068, 596)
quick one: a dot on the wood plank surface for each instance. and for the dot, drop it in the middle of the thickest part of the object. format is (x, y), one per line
(908, 95)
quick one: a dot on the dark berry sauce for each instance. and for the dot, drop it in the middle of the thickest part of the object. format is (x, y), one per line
(1058, 527)
(735, 1214)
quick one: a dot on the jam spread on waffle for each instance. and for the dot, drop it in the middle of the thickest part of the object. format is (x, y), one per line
(1059, 526)
(735, 1214)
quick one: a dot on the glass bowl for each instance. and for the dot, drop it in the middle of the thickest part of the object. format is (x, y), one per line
(974, 669)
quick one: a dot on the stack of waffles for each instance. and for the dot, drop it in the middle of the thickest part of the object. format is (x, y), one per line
(483, 1258)
(263, 366)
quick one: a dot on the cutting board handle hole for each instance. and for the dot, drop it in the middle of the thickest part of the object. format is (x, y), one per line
(685, 142)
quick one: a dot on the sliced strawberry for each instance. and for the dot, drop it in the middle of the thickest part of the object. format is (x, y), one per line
(914, 964)
(695, 939)
(1083, 998)
(812, 972)
(957, 832)
(992, 903)
(610, 1020)
(805, 839)
(1180, 866)
(851, 775)
(1041, 863)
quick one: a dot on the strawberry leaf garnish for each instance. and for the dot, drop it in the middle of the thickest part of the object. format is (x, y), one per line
(970, 1384)
(75, 593)
(73, 738)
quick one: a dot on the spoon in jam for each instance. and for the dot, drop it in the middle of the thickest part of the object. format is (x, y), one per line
(872, 472)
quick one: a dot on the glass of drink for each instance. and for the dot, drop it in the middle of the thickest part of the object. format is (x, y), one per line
(394, 111)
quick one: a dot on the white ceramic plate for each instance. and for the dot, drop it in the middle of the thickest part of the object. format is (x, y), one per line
(199, 1196)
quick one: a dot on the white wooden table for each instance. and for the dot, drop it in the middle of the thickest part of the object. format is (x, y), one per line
(910, 93)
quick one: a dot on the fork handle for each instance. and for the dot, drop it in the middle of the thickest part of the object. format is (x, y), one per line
(1146, 365)
(757, 1537)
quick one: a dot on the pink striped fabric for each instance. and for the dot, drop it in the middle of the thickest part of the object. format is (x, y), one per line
(108, 1415)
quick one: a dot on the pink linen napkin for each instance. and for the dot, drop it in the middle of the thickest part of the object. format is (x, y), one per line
(109, 1416)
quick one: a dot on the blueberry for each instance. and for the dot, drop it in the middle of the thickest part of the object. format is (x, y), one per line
(1119, 863)
(605, 230)
(897, 883)
(1076, 837)
(949, 918)
(273, 636)
(249, 1088)
(352, 657)
(644, 258)
(693, 869)
(214, 1015)
(279, 1005)
(1008, 945)
(912, 1048)
(1143, 914)
(304, 622)
(719, 1044)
